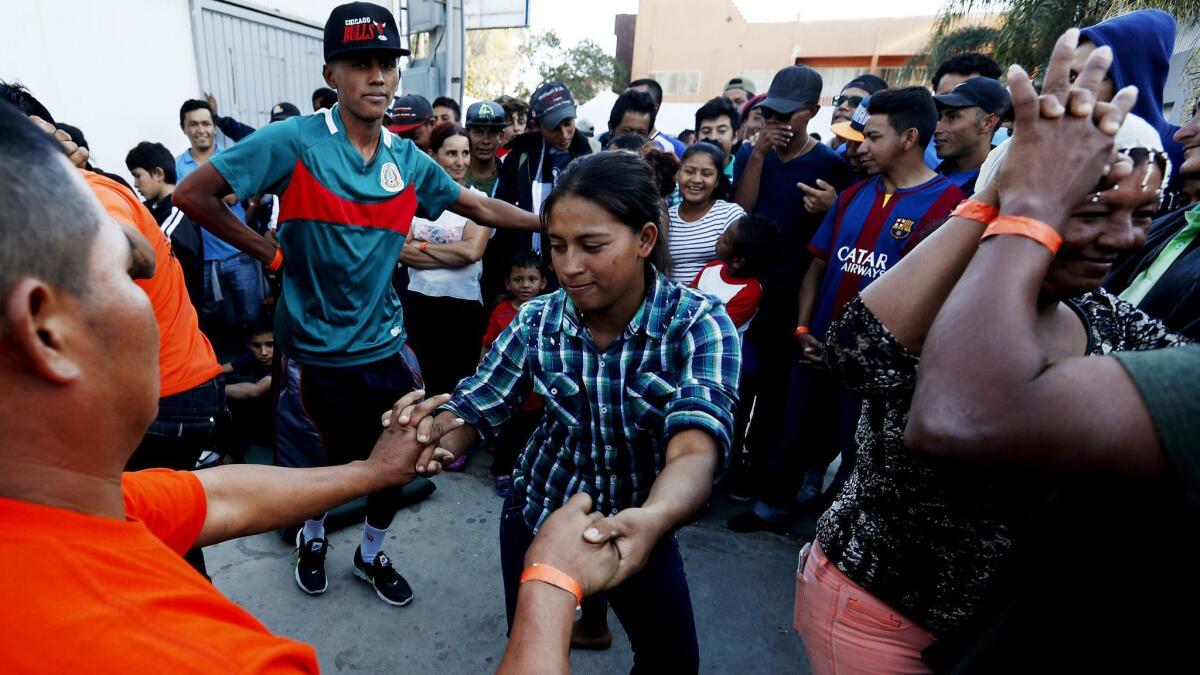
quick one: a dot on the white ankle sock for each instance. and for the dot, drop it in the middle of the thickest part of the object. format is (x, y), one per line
(372, 541)
(314, 529)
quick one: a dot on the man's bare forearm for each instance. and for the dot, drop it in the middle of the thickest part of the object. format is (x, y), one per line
(200, 196)
(541, 634)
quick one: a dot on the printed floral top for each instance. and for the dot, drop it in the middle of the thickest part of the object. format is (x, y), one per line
(924, 534)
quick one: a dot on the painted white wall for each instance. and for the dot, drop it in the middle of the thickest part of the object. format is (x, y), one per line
(117, 69)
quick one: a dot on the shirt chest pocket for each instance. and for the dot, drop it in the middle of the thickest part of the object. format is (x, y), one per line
(561, 394)
(646, 396)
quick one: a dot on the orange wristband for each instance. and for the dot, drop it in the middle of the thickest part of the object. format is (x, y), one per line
(277, 261)
(802, 330)
(555, 577)
(422, 246)
(973, 209)
(1025, 227)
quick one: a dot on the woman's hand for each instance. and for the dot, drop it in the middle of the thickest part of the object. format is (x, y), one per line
(1062, 140)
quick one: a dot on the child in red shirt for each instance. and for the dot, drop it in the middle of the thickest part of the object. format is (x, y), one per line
(524, 282)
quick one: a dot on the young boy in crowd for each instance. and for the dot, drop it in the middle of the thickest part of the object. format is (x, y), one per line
(248, 392)
(524, 282)
(153, 169)
(743, 250)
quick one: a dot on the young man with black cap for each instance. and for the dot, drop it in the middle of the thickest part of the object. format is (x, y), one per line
(348, 192)
(411, 118)
(967, 119)
(485, 124)
(534, 162)
(853, 93)
(767, 175)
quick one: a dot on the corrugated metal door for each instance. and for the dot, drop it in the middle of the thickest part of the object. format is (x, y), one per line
(251, 60)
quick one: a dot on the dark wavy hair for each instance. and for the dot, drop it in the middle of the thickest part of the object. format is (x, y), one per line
(622, 184)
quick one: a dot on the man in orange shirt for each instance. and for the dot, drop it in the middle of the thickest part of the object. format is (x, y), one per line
(90, 567)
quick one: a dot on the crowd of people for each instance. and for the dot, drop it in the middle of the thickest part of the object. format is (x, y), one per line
(956, 333)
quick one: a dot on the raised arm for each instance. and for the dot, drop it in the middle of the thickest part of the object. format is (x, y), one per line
(200, 196)
(493, 213)
(986, 390)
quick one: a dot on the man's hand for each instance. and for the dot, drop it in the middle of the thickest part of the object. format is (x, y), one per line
(818, 199)
(810, 348)
(397, 451)
(635, 532)
(75, 154)
(774, 135)
(212, 102)
(429, 431)
(1046, 139)
(561, 543)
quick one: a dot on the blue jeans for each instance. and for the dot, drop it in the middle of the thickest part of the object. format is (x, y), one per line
(654, 605)
(233, 289)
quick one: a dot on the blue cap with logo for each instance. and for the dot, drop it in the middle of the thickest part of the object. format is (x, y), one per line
(853, 130)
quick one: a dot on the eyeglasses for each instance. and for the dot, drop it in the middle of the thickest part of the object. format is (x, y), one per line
(852, 100)
(769, 114)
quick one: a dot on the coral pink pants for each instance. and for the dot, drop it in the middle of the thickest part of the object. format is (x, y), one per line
(846, 630)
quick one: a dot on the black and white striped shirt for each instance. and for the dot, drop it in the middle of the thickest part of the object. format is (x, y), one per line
(693, 244)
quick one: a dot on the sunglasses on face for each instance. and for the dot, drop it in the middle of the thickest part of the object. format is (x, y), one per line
(852, 100)
(769, 114)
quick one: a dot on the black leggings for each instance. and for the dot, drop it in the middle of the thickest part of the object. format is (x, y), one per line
(446, 334)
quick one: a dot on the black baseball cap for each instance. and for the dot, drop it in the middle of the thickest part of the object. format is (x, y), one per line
(868, 83)
(793, 88)
(409, 112)
(361, 26)
(283, 110)
(976, 91)
(552, 103)
(486, 114)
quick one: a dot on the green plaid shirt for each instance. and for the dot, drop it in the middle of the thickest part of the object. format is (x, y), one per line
(608, 414)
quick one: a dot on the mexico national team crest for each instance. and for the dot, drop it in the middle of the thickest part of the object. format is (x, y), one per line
(902, 227)
(389, 178)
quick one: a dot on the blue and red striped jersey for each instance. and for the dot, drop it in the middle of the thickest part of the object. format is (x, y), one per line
(867, 231)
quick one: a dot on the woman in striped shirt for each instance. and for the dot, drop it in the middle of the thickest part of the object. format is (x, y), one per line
(701, 218)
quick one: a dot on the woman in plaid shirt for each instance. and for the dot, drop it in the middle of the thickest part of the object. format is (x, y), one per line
(640, 380)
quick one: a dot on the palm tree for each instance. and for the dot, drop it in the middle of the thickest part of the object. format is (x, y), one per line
(1024, 31)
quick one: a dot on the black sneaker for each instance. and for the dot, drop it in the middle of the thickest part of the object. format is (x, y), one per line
(310, 564)
(389, 585)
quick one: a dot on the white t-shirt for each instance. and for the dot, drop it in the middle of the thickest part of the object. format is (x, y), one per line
(693, 245)
(461, 282)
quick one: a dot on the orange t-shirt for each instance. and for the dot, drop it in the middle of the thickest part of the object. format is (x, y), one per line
(185, 357)
(88, 594)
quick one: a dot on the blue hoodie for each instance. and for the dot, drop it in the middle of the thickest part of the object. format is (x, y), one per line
(1142, 43)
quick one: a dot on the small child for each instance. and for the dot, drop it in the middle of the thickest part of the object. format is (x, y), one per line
(524, 282)
(248, 392)
(743, 252)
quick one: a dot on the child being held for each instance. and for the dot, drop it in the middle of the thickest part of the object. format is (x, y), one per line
(524, 282)
(743, 252)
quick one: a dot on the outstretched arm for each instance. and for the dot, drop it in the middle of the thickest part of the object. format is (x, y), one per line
(493, 212)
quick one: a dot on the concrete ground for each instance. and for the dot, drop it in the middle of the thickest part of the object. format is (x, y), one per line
(447, 547)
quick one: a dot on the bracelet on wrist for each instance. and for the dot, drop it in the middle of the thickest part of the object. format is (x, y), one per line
(555, 577)
(1030, 228)
(802, 330)
(973, 209)
(277, 261)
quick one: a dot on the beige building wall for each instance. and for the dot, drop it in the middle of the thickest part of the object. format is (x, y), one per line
(694, 46)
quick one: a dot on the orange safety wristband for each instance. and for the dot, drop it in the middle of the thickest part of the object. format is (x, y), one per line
(1025, 227)
(802, 330)
(277, 261)
(422, 246)
(973, 209)
(555, 577)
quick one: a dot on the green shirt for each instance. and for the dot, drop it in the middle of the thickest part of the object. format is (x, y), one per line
(1169, 382)
(342, 223)
(486, 184)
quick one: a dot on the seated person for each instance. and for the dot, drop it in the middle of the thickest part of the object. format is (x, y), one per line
(248, 392)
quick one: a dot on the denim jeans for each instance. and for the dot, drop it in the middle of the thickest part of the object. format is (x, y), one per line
(654, 605)
(233, 289)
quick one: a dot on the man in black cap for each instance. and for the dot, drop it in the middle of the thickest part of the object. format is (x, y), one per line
(845, 103)
(485, 124)
(411, 117)
(967, 119)
(348, 192)
(767, 177)
(532, 166)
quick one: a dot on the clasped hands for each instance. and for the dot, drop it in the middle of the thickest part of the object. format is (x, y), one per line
(599, 552)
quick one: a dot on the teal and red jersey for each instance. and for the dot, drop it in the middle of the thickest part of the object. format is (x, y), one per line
(342, 223)
(867, 231)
